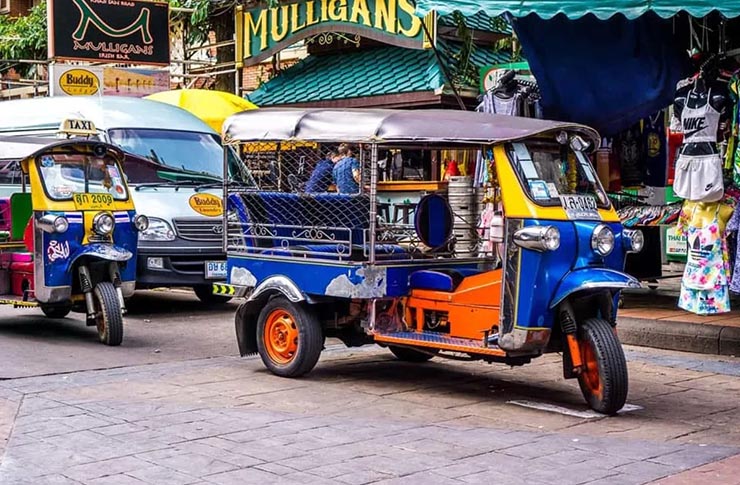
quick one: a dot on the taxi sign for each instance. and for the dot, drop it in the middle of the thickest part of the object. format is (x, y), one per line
(81, 127)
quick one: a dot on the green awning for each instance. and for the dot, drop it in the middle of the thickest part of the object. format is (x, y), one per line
(578, 8)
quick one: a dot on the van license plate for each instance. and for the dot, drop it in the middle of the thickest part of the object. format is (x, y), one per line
(215, 270)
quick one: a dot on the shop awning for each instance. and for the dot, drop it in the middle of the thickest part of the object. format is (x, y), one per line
(578, 8)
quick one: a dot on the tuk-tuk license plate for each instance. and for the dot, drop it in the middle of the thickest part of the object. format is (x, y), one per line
(215, 270)
(580, 207)
(93, 201)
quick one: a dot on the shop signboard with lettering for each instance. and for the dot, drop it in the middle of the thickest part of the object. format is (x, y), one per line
(262, 32)
(70, 80)
(114, 31)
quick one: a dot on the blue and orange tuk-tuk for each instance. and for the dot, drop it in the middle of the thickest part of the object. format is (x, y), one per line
(544, 274)
(72, 237)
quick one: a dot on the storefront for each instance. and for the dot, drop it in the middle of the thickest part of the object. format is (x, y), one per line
(354, 65)
(660, 82)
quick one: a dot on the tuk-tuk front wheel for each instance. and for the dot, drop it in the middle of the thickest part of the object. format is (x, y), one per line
(56, 311)
(604, 380)
(108, 314)
(289, 337)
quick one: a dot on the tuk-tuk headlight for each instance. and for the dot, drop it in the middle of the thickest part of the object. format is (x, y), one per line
(602, 240)
(103, 224)
(538, 238)
(634, 240)
(141, 222)
(51, 223)
(158, 230)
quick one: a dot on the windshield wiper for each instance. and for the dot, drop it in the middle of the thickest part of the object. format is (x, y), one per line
(230, 183)
(169, 183)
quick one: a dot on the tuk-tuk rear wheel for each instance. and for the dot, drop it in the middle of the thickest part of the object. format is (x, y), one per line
(56, 311)
(289, 337)
(604, 379)
(108, 314)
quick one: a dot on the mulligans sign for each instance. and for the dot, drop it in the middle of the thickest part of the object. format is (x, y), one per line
(261, 33)
(114, 31)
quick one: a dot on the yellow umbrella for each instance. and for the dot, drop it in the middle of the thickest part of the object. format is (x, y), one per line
(213, 107)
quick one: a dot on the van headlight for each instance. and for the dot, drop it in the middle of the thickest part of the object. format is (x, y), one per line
(538, 238)
(602, 240)
(103, 224)
(141, 222)
(158, 230)
(634, 240)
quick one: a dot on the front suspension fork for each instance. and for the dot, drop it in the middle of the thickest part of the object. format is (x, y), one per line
(86, 285)
(568, 326)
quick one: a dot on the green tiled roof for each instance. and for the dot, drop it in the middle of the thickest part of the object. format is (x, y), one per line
(371, 72)
(479, 21)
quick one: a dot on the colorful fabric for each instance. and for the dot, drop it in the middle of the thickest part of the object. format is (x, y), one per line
(734, 226)
(704, 287)
(733, 145)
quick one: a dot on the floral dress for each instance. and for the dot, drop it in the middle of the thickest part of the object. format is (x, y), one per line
(704, 287)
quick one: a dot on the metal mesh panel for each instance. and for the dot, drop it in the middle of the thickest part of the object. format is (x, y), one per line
(308, 205)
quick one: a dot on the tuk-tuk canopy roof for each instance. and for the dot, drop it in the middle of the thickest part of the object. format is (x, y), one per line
(389, 126)
(29, 147)
(578, 8)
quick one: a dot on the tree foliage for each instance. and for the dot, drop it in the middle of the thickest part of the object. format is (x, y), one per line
(24, 37)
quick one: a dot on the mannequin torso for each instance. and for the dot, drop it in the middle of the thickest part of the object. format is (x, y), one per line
(701, 214)
(696, 95)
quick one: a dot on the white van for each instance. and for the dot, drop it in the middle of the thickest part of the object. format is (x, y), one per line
(175, 176)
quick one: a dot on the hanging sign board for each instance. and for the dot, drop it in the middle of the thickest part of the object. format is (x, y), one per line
(262, 32)
(116, 31)
(134, 82)
(75, 80)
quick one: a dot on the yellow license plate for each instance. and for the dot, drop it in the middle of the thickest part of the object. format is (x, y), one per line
(93, 201)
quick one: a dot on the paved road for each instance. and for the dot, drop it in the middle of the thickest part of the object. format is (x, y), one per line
(193, 413)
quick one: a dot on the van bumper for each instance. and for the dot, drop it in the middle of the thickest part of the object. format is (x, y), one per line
(180, 267)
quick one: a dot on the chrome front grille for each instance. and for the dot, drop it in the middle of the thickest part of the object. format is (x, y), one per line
(199, 229)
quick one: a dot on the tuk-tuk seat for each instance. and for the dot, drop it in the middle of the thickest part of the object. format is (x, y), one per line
(439, 279)
(21, 211)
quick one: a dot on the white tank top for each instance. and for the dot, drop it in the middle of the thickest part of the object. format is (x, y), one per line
(699, 124)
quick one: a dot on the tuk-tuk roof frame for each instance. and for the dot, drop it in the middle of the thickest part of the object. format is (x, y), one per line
(386, 126)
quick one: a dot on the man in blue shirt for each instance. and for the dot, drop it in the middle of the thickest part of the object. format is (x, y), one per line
(321, 177)
(347, 171)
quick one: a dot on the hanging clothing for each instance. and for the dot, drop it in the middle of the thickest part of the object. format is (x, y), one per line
(704, 287)
(629, 150)
(734, 226)
(732, 160)
(699, 178)
(506, 106)
(655, 149)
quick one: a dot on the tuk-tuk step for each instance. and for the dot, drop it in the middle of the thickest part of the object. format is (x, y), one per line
(439, 341)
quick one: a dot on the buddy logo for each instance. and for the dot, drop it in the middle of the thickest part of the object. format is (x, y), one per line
(88, 16)
(206, 204)
(77, 82)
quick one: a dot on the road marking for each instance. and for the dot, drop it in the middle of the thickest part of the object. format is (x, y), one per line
(553, 408)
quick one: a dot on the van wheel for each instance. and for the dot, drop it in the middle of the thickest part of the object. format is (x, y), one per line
(205, 294)
(410, 355)
(56, 311)
(604, 380)
(108, 314)
(289, 337)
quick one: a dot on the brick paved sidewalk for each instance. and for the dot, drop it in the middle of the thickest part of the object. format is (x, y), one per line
(225, 421)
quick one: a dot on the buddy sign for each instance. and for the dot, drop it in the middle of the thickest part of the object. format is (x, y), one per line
(262, 32)
(117, 31)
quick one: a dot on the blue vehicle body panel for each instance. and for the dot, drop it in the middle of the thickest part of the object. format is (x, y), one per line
(60, 251)
(542, 276)
(594, 278)
(343, 280)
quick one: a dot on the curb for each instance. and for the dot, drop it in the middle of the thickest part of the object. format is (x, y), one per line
(682, 336)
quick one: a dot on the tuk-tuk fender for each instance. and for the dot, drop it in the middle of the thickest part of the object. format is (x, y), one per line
(101, 251)
(591, 279)
(248, 312)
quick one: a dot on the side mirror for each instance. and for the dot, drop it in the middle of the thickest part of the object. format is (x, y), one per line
(578, 144)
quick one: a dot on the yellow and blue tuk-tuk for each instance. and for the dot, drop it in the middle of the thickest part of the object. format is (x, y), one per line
(71, 231)
(544, 273)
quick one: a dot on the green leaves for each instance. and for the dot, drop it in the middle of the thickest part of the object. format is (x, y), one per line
(24, 37)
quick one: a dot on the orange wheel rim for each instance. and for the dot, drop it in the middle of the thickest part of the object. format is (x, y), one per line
(281, 336)
(591, 377)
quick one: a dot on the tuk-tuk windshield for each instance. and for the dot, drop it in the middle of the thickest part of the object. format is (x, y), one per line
(63, 175)
(550, 172)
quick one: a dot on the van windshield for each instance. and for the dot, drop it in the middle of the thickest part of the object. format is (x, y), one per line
(181, 150)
